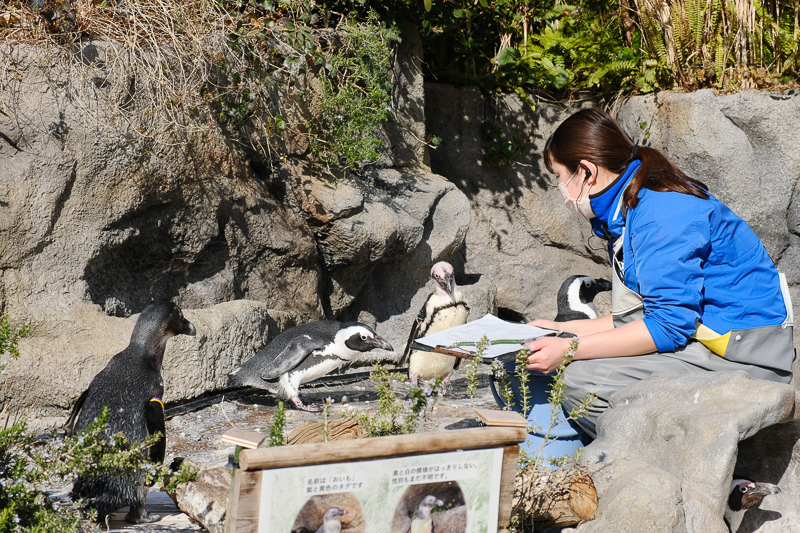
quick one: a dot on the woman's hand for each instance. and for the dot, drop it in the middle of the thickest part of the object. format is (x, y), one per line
(547, 353)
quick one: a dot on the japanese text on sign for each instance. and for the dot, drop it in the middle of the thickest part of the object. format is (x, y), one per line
(333, 483)
(434, 473)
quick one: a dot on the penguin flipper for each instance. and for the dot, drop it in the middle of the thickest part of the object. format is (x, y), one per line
(155, 422)
(69, 425)
(414, 334)
(291, 356)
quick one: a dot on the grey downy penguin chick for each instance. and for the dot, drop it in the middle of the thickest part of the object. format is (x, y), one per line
(132, 388)
(422, 522)
(575, 298)
(745, 494)
(304, 353)
(445, 308)
(331, 520)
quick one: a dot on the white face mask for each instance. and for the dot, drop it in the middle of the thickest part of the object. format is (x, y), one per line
(581, 205)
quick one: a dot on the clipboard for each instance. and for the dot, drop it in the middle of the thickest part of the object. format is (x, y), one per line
(506, 339)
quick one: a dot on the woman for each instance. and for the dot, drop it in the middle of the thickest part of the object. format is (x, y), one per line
(693, 287)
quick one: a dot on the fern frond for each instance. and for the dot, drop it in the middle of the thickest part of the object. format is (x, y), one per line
(719, 57)
(679, 32)
(653, 33)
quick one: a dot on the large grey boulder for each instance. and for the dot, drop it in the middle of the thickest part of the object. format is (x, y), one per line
(96, 222)
(666, 450)
(368, 227)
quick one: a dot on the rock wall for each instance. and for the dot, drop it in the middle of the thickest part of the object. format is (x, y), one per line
(97, 220)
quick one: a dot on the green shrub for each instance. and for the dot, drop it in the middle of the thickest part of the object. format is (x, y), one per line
(28, 464)
(395, 416)
(356, 95)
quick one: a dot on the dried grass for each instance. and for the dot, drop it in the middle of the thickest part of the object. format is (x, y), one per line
(158, 64)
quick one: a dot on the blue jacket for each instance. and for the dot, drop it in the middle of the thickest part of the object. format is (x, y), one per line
(692, 260)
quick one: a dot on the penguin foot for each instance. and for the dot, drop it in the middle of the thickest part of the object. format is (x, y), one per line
(298, 404)
(139, 515)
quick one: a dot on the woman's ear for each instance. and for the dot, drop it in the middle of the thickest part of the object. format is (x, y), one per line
(591, 170)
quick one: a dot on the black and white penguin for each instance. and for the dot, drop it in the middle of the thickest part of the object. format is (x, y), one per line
(422, 522)
(745, 494)
(576, 297)
(330, 520)
(132, 388)
(304, 353)
(445, 308)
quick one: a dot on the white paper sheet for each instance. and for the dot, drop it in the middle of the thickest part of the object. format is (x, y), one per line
(490, 326)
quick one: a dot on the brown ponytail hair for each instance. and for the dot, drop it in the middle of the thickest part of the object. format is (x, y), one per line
(592, 134)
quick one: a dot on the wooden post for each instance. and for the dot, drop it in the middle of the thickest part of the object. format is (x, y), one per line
(509, 474)
(243, 507)
(345, 451)
(242, 513)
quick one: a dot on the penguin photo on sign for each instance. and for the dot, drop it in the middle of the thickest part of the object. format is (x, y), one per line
(304, 353)
(431, 507)
(422, 522)
(576, 295)
(331, 521)
(131, 387)
(338, 512)
(444, 308)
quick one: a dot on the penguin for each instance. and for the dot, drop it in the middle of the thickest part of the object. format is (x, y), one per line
(330, 520)
(575, 298)
(132, 388)
(445, 308)
(745, 494)
(422, 522)
(303, 353)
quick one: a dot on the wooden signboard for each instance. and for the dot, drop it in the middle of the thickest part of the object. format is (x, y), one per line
(462, 480)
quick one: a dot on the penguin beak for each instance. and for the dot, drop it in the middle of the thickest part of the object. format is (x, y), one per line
(188, 328)
(603, 285)
(765, 489)
(449, 283)
(380, 342)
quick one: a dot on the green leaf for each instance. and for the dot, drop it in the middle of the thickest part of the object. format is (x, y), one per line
(428, 5)
(507, 58)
